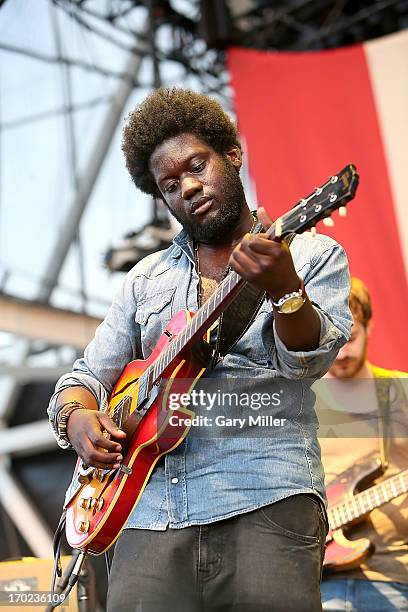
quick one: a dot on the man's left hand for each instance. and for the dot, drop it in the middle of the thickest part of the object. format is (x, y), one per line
(264, 262)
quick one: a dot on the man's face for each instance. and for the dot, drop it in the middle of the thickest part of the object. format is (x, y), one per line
(201, 188)
(353, 354)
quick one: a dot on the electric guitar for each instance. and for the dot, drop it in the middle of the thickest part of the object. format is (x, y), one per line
(347, 508)
(99, 502)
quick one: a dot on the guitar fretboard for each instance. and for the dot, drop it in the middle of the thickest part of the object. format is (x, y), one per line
(360, 504)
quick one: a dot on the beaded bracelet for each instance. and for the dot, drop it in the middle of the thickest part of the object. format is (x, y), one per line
(61, 420)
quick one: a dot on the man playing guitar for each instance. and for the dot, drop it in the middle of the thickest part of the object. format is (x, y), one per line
(226, 522)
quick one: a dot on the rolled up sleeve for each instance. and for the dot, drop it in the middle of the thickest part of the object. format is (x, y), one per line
(327, 283)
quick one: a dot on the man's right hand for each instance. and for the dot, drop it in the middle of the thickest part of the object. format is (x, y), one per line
(86, 431)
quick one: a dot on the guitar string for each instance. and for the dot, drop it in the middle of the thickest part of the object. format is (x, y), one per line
(368, 504)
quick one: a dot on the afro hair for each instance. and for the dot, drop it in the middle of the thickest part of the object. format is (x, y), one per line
(168, 112)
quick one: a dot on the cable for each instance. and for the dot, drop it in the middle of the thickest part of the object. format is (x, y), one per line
(108, 563)
(32, 54)
(343, 25)
(14, 123)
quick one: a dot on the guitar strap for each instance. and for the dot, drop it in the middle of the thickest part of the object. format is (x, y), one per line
(138, 342)
(383, 387)
(239, 315)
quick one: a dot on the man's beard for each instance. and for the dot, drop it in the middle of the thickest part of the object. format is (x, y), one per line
(352, 366)
(216, 229)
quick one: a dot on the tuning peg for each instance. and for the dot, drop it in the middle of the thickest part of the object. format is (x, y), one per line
(342, 211)
(328, 222)
(313, 231)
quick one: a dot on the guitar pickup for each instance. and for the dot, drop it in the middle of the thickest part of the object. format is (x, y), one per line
(125, 469)
(142, 394)
(145, 399)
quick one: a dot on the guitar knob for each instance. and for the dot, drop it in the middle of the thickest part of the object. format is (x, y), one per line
(98, 474)
(97, 504)
(85, 502)
(328, 222)
(343, 211)
(83, 526)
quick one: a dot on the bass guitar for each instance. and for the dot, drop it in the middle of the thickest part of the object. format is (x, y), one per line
(99, 502)
(347, 508)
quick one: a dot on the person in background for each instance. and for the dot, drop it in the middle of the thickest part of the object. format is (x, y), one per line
(357, 397)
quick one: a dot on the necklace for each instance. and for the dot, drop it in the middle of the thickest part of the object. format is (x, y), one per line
(197, 266)
(206, 285)
(200, 288)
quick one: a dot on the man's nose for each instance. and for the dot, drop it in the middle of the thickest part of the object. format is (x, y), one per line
(343, 352)
(189, 187)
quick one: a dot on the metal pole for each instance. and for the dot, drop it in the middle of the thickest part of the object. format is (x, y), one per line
(23, 514)
(87, 181)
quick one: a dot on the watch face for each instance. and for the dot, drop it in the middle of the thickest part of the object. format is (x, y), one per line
(292, 305)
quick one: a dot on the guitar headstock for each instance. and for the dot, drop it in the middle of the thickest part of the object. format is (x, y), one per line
(319, 205)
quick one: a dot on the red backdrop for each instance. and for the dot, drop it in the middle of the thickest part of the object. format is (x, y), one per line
(304, 116)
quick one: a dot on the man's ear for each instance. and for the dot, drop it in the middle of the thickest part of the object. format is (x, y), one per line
(163, 201)
(158, 196)
(235, 156)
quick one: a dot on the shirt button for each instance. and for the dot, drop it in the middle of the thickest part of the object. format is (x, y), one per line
(174, 480)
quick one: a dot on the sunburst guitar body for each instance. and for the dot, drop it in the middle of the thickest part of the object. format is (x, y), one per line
(95, 517)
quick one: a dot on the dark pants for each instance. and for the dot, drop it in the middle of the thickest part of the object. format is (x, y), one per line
(268, 560)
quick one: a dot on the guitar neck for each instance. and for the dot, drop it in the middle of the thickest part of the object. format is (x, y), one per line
(361, 504)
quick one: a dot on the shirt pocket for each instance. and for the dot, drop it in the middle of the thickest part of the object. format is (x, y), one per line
(153, 314)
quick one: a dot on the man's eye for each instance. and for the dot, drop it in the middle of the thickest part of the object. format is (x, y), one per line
(198, 167)
(171, 187)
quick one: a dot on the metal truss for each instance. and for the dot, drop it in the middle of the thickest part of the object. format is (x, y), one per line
(317, 24)
(263, 24)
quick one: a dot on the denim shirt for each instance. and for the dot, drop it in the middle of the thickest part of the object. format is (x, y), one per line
(213, 477)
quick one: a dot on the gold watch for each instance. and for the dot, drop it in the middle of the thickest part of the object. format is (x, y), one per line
(291, 302)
